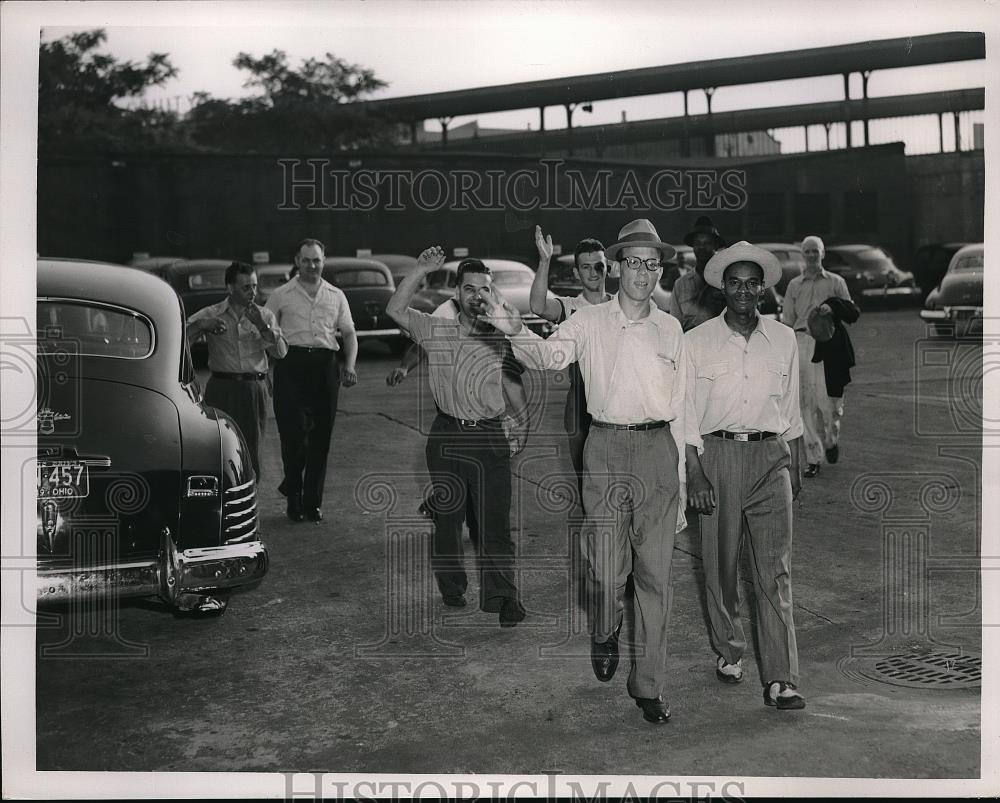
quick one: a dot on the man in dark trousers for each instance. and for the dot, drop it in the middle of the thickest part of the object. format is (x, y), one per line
(743, 439)
(693, 300)
(591, 270)
(307, 382)
(631, 355)
(468, 455)
(240, 336)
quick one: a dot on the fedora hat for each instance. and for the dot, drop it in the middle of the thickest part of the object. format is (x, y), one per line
(639, 233)
(742, 252)
(704, 225)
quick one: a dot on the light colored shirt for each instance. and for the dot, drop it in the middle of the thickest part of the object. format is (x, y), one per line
(465, 370)
(449, 309)
(311, 321)
(571, 304)
(742, 385)
(804, 294)
(634, 371)
(241, 349)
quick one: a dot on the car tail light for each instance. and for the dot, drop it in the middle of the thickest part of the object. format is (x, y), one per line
(202, 486)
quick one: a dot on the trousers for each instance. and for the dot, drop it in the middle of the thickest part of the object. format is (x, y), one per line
(821, 413)
(630, 498)
(470, 469)
(306, 388)
(754, 494)
(246, 402)
(576, 421)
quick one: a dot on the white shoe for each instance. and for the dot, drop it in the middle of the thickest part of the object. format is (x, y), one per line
(727, 672)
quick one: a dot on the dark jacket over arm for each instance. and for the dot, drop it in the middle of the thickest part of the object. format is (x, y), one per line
(837, 353)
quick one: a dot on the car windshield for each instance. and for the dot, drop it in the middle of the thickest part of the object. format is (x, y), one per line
(969, 262)
(512, 278)
(68, 327)
(361, 277)
(208, 280)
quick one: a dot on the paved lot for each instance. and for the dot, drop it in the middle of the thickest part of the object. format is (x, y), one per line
(344, 660)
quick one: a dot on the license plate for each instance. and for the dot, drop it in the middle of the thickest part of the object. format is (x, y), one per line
(63, 479)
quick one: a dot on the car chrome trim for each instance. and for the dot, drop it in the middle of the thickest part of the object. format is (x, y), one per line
(171, 574)
(251, 495)
(933, 314)
(363, 333)
(237, 488)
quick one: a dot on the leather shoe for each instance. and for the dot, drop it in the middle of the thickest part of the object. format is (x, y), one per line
(812, 470)
(314, 514)
(511, 612)
(454, 600)
(833, 454)
(294, 510)
(654, 709)
(604, 658)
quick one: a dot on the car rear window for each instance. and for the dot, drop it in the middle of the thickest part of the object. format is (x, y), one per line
(208, 280)
(90, 329)
(970, 262)
(873, 258)
(363, 277)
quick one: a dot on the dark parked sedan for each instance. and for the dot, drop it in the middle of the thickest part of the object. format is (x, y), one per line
(791, 260)
(930, 263)
(870, 274)
(368, 285)
(143, 490)
(955, 307)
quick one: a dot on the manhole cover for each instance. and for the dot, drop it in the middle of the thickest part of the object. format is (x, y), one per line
(930, 670)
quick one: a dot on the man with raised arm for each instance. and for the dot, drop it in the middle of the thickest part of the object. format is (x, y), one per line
(590, 269)
(468, 455)
(631, 356)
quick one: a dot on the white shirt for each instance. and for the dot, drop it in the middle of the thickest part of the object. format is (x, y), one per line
(742, 385)
(634, 371)
(311, 320)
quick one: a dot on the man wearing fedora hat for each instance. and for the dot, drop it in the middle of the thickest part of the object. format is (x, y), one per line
(743, 437)
(694, 301)
(631, 356)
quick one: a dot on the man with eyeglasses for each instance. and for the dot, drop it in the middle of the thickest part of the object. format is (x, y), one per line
(743, 439)
(693, 301)
(631, 356)
(590, 269)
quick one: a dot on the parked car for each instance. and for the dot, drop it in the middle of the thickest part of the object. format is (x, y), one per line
(368, 285)
(791, 260)
(142, 489)
(400, 265)
(955, 306)
(156, 265)
(870, 273)
(513, 279)
(270, 277)
(930, 263)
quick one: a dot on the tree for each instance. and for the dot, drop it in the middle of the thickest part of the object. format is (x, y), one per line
(309, 109)
(79, 91)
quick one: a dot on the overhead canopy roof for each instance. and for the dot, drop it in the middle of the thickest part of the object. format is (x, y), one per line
(735, 121)
(862, 56)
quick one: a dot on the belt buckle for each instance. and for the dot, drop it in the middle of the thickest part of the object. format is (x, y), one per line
(467, 423)
(741, 436)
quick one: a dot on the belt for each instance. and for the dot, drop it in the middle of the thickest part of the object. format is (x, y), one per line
(743, 436)
(248, 377)
(310, 349)
(473, 423)
(633, 427)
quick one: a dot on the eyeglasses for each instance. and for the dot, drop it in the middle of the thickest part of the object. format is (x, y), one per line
(752, 285)
(635, 263)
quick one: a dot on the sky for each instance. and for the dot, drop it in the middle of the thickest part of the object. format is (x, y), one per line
(438, 45)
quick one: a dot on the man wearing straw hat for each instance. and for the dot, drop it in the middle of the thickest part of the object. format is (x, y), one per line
(693, 301)
(631, 356)
(743, 437)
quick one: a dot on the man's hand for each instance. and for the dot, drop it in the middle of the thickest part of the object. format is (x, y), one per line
(214, 326)
(348, 377)
(796, 477)
(500, 312)
(254, 315)
(544, 245)
(824, 309)
(517, 435)
(700, 493)
(396, 375)
(430, 259)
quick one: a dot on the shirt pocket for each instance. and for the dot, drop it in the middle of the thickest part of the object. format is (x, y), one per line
(777, 378)
(251, 343)
(712, 380)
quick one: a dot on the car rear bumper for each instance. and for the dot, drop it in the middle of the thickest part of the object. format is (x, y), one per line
(172, 573)
(891, 292)
(951, 313)
(364, 334)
